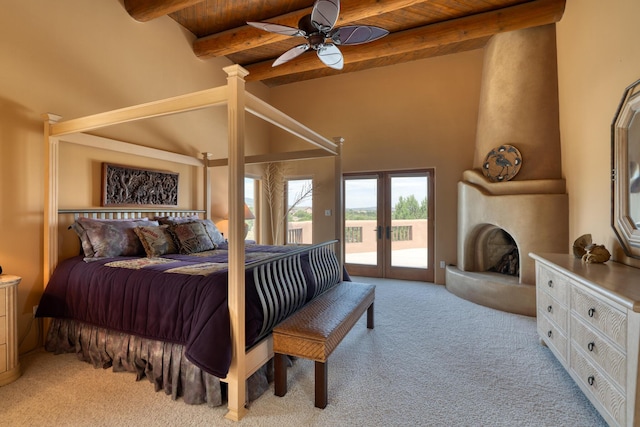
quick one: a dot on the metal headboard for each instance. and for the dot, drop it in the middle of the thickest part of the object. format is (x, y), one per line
(124, 213)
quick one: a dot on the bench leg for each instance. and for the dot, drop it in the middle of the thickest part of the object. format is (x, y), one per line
(280, 374)
(321, 385)
(370, 316)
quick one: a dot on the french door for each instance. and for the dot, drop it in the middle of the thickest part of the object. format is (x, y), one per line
(389, 224)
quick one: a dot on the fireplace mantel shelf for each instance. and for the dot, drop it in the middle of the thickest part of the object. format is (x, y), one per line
(533, 186)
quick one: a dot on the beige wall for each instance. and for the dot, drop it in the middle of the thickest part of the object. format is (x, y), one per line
(81, 57)
(421, 114)
(598, 57)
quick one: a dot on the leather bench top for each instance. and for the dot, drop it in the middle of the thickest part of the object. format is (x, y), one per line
(315, 330)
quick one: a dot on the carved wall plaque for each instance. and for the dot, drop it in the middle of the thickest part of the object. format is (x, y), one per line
(125, 186)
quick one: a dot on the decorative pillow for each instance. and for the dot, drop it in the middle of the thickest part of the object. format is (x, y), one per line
(109, 238)
(192, 237)
(156, 240)
(213, 232)
(170, 220)
(85, 244)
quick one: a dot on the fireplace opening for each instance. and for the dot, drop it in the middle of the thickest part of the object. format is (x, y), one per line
(501, 253)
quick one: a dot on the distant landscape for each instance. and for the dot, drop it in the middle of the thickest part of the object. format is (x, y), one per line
(406, 208)
(360, 214)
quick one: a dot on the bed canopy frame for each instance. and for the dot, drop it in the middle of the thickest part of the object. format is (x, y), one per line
(237, 100)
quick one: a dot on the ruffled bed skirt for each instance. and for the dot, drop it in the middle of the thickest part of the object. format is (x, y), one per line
(163, 363)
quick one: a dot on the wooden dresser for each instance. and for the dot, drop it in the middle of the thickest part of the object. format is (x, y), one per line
(9, 365)
(589, 316)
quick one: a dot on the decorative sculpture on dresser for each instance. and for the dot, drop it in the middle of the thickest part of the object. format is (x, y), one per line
(590, 252)
(580, 244)
(596, 254)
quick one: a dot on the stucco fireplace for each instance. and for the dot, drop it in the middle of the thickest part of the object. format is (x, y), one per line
(518, 106)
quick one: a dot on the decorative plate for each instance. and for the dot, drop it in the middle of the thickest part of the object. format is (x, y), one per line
(502, 163)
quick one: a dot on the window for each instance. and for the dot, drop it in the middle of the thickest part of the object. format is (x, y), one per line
(250, 192)
(299, 211)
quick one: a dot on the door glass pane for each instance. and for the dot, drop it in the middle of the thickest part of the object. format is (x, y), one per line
(249, 200)
(361, 220)
(409, 219)
(299, 211)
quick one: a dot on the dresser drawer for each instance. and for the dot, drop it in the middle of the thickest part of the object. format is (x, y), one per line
(600, 315)
(552, 336)
(552, 309)
(594, 382)
(599, 351)
(553, 283)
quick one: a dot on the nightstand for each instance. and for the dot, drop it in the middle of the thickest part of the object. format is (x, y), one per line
(9, 365)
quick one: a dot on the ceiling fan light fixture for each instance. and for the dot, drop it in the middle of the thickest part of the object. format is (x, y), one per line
(318, 29)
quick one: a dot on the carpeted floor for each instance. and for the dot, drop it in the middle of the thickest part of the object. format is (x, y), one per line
(433, 359)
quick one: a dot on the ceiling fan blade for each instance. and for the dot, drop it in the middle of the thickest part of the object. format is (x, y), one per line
(331, 56)
(290, 54)
(357, 34)
(278, 29)
(325, 14)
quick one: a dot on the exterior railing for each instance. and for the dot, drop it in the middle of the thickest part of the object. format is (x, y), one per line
(361, 235)
(294, 236)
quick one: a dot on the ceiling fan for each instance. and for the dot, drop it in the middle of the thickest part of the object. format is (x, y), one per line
(318, 29)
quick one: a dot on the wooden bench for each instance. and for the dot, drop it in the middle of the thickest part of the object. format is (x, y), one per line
(314, 331)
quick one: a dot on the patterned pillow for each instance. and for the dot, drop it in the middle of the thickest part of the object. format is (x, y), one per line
(85, 244)
(170, 220)
(110, 238)
(213, 232)
(156, 240)
(192, 237)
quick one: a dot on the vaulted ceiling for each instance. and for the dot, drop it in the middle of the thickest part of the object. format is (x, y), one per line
(418, 29)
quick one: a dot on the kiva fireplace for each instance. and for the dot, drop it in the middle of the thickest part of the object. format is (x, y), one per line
(500, 223)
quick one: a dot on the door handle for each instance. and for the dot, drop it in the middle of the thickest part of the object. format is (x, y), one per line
(378, 231)
(388, 232)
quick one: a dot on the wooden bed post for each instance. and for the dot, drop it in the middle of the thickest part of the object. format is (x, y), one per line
(50, 220)
(207, 185)
(236, 379)
(339, 200)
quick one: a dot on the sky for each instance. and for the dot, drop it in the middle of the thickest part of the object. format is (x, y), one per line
(361, 193)
(294, 189)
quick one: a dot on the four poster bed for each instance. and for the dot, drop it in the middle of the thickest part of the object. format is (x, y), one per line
(191, 316)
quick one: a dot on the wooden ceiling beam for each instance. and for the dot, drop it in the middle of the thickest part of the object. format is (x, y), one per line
(526, 15)
(246, 37)
(146, 10)
(382, 61)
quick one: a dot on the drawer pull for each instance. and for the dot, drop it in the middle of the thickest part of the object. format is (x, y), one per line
(550, 283)
(591, 312)
(550, 334)
(591, 346)
(549, 309)
(591, 380)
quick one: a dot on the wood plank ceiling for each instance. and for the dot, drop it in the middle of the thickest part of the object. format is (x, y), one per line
(418, 29)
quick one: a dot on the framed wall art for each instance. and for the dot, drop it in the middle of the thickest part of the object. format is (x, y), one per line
(127, 186)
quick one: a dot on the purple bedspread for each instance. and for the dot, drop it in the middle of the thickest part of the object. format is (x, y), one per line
(152, 299)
